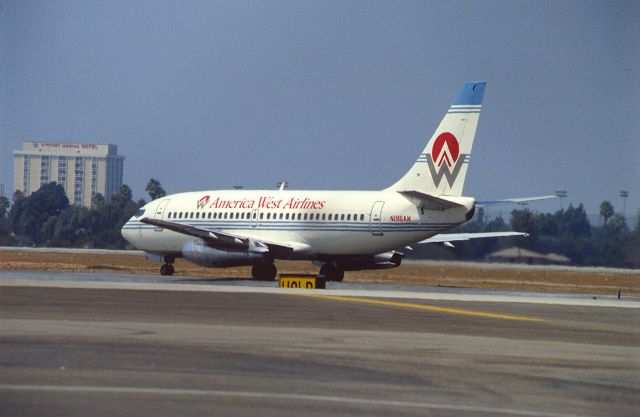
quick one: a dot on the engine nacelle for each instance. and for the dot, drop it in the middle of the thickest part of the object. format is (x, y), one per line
(380, 261)
(199, 253)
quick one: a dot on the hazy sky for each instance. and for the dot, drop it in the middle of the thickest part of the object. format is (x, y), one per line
(330, 95)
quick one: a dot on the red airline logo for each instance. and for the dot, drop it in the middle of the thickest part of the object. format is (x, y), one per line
(446, 149)
(203, 201)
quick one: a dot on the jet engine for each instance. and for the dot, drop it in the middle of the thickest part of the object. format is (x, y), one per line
(380, 261)
(199, 253)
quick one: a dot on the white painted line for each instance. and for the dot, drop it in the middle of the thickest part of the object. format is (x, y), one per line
(278, 396)
(412, 295)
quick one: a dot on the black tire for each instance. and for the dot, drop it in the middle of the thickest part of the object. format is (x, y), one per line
(266, 272)
(164, 269)
(171, 269)
(331, 273)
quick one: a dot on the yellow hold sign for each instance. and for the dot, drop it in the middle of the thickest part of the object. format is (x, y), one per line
(307, 281)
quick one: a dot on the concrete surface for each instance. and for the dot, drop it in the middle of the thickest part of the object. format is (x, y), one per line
(69, 347)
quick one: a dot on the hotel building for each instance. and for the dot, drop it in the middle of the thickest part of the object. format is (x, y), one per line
(84, 170)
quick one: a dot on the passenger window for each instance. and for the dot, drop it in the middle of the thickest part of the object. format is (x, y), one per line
(299, 216)
(355, 217)
(362, 217)
(237, 215)
(261, 215)
(348, 217)
(330, 216)
(225, 215)
(280, 216)
(286, 216)
(324, 216)
(197, 215)
(342, 217)
(305, 216)
(180, 215)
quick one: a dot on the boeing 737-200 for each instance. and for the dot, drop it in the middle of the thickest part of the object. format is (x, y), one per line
(337, 230)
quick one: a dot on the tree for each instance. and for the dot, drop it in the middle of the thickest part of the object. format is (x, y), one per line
(618, 224)
(29, 215)
(17, 195)
(606, 210)
(525, 221)
(4, 206)
(154, 189)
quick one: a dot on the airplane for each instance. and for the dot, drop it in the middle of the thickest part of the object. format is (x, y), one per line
(338, 230)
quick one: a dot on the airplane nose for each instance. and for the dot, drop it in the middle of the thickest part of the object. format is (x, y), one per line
(129, 231)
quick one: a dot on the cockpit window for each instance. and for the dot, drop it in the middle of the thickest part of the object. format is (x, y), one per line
(139, 213)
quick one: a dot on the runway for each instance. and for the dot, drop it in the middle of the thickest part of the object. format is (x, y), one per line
(100, 344)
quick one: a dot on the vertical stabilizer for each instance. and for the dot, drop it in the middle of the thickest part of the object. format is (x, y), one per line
(442, 166)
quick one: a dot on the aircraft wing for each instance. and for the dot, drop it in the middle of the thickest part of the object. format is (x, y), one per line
(227, 241)
(522, 201)
(452, 237)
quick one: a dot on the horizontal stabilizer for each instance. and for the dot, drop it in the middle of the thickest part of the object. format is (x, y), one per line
(452, 237)
(430, 202)
(522, 201)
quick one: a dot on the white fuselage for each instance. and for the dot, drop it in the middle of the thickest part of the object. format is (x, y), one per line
(315, 223)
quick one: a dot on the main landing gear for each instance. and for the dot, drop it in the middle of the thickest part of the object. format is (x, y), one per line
(167, 267)
(264, 272)
(331, 272)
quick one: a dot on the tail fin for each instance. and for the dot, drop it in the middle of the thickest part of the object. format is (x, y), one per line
(442, 165)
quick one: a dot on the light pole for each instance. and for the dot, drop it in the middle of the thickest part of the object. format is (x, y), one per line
(561, 194)
(624, 194)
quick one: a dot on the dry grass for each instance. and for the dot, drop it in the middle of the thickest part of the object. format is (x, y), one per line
(450, 274)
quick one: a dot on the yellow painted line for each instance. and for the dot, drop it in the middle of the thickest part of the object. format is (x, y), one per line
(425, 307)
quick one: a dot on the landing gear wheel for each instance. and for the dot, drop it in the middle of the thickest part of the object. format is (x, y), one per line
(166, 269)
(331, 272)
(264, 272)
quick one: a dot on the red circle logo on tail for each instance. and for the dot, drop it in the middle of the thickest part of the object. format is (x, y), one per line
(448, 153)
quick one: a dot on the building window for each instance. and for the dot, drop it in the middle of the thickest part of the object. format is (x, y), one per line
(25, 175)
(62, 171)
(44, 169)
(94, 176)
(78, 183)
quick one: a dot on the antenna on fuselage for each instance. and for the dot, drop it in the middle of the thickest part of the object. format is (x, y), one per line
(282, 185)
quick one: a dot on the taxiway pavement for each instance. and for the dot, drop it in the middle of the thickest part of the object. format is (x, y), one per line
(99, 344)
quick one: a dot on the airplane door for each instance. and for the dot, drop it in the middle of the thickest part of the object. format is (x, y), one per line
(375, 218)
(160, 213)
(254, 217)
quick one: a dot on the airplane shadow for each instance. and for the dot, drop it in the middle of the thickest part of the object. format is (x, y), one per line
(220, 279)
